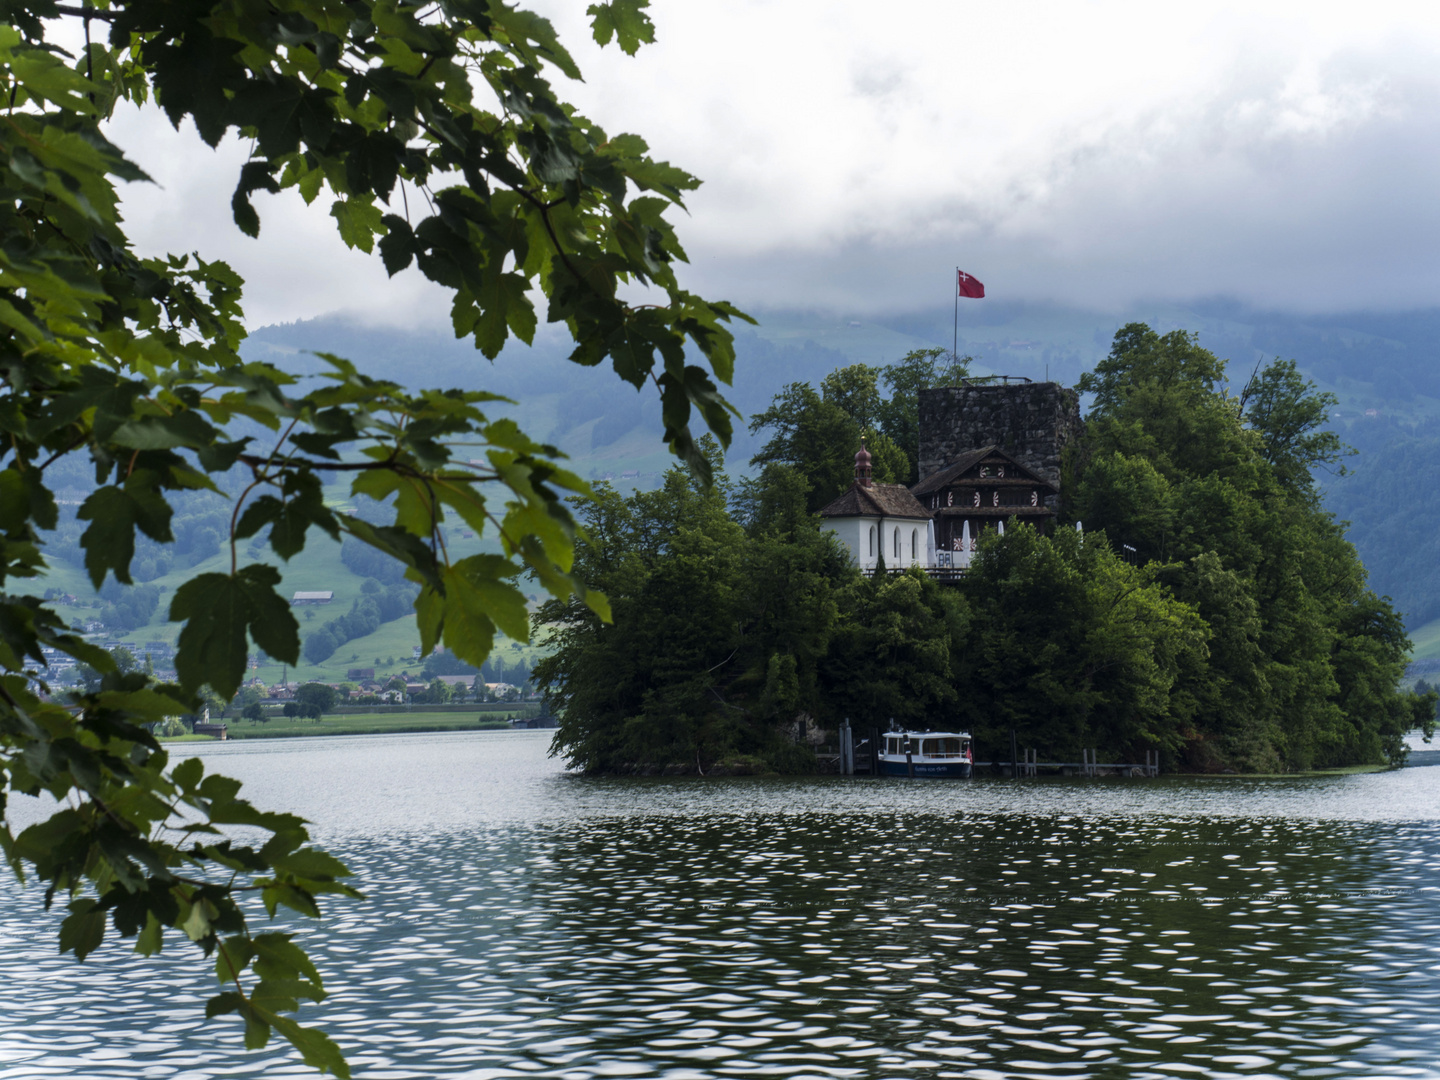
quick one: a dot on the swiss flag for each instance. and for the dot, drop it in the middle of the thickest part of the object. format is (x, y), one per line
(969, 286)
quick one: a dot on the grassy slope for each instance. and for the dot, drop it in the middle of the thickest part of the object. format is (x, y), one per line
(1427, 641)
(317, 568)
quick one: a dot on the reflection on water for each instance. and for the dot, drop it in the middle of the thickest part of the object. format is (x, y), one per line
(522, 922)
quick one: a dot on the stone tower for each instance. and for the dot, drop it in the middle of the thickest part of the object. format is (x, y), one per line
(1032, 422)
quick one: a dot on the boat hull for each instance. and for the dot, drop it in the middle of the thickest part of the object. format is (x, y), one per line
(959, 770)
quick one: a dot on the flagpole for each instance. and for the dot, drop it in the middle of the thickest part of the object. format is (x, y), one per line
(955, 344)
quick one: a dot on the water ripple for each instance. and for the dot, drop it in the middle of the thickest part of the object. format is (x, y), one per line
(583, 929)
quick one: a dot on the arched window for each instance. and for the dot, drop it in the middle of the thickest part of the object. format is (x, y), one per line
(872, 541)
(914, 543)
(897, 545)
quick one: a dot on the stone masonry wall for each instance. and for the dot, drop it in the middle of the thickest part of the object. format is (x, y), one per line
(1032, 422)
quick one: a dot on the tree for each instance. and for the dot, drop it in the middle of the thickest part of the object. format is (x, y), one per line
(318, 697)
(817, 437)
(437, 693)
(130, 362)
(1291, 417)
(718, 635)
(894, 651)
(1218, 491)
(898, 415)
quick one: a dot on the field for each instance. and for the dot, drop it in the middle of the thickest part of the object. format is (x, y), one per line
(366, 724)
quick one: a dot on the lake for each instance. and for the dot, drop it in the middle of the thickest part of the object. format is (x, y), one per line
(524, 922)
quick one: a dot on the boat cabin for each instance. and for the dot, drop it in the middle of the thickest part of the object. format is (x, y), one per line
(926, 753)
(928, 746)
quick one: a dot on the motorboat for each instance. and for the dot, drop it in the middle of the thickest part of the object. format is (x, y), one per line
(926, 754)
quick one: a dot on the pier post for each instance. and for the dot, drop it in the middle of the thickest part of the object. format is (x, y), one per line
(1014, 756)
(847, 749)
(875, 769)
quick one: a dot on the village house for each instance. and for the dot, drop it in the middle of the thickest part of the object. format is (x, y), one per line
(990, 452)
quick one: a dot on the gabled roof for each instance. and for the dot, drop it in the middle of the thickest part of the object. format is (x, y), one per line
(877, 500)
(937, 481)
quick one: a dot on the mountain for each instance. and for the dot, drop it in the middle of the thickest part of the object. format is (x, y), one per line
(1381, 367)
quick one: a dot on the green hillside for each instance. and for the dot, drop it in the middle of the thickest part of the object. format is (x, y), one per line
(1382, 368)
(318, 568)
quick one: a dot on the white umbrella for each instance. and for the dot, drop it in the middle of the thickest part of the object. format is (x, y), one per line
(1002, 528)
(965, 543)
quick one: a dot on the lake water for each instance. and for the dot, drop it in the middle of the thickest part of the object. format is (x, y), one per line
(523, 922)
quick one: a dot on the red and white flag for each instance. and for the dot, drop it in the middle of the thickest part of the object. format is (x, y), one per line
(969, 286)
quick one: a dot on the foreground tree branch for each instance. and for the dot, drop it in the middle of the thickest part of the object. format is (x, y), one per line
(131, 360)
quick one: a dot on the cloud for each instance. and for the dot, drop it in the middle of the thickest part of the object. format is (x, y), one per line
(1094, 153)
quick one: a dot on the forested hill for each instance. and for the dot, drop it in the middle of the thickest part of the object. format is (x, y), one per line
(1382, 368)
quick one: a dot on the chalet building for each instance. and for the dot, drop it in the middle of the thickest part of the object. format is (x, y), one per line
(989, 453)
(981, 490)
(881, 522)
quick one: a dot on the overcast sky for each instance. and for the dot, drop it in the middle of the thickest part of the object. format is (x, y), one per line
(1094, 153)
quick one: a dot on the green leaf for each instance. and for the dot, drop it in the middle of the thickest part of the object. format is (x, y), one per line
(360, 222)
(623, 20)
(220, 1004)
(187, 774)
(302, 505)
(316, 1048)
(83, 929)
(311, 864)
(150, 940)
(279, 957)
(218, 610)
(115, 513)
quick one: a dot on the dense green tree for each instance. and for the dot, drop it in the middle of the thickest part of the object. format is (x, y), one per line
(1292, 418)
(893, 653)
(814, 435)
(1222, 494)
(319, 696)
(718, 634)
(433, 136)
(855, 391)
(818, 432)
(898, 415)
(1073, 647)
